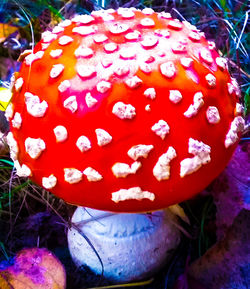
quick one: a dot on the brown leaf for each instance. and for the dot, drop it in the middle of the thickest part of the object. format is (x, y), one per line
(34, 268)
(231, 190)
(226, 264)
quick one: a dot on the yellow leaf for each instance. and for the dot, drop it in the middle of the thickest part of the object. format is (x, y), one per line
(6, 30)
(4, 283)
(177, 210)
(5, 97)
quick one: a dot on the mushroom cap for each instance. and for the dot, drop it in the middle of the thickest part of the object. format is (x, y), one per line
(124, 110)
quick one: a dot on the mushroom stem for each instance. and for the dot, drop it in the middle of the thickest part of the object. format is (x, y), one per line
(130, 246)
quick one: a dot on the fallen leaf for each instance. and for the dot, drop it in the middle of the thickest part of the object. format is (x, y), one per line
(231, 190)
(6, 30)
(226, 265)
(5, 97)
(178, 211)
(34, 268)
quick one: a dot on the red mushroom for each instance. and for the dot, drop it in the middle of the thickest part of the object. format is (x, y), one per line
(124, 110)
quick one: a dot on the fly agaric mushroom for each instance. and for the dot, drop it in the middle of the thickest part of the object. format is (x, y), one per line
(124, 111)
(143, 102)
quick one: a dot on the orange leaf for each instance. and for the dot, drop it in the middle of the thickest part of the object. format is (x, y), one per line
(6, 30)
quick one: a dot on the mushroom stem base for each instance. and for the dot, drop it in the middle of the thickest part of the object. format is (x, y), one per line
(130, 246)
